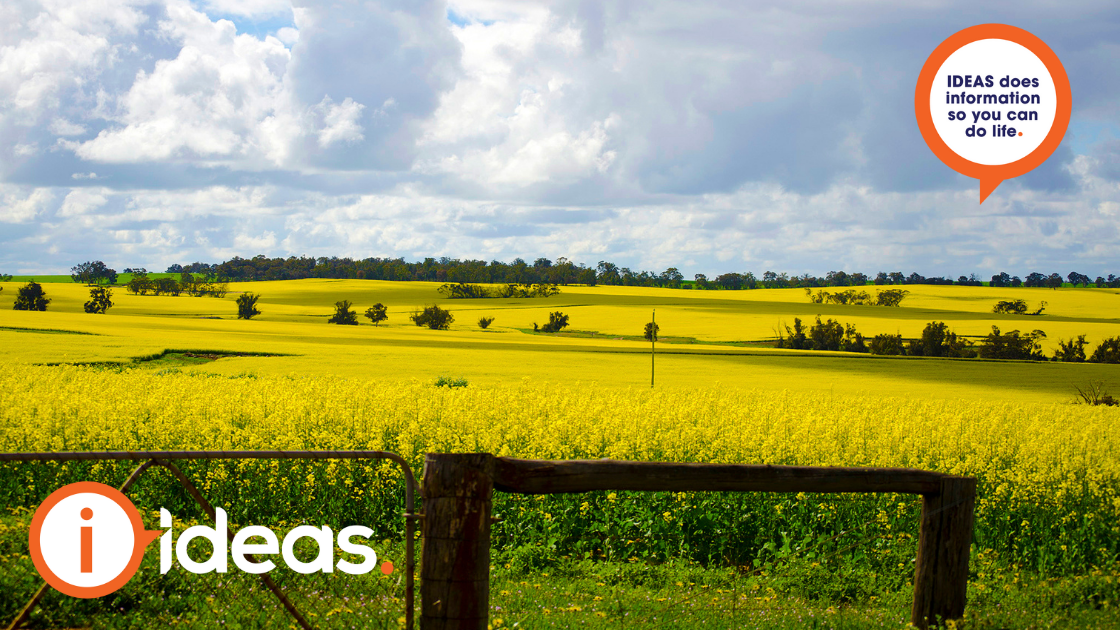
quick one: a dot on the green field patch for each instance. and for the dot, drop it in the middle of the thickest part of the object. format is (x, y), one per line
(179, 358)
(122, 278)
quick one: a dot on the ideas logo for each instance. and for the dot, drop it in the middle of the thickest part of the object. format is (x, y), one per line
(87, 540)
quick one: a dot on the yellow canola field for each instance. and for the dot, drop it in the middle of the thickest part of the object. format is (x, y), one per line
(1021, 452)
(294, 314)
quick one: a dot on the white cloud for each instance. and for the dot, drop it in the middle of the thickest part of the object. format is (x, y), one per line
(80, 201)
(16, 207)
(54, 47)
(340, 122)
(258, 243)
(288, 35)
(510, 123)
(63, 127)
(705, 135)
(216, 100)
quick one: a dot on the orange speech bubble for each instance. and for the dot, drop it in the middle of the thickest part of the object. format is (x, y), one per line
(989, 169)
(44, 533)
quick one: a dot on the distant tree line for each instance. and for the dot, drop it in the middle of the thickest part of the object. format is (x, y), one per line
(565, 272)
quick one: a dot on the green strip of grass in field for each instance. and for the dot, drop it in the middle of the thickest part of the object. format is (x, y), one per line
(47, 331)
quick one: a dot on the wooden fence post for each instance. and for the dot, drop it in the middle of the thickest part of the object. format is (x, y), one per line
(455, 560)
(941, 574)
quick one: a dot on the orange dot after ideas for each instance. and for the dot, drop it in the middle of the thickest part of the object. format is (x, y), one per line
(992, 102)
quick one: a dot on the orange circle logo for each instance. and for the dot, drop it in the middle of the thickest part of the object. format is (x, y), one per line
(993, 102)
(87, 539)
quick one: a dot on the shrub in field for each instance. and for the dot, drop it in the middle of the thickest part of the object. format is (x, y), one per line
(528, 290)
(852, 341)
(166, 286)
(1013, 345)
(31, 297)
(826, 335)
(938, 341)
(447, 381)
(1016, 307)
(1072, 351)
(1094, 394)
(1107, 352)
(198, 286)
(890, 297)
(650, 333)
(93, 272)
(851, 296)
(556, 322)
(797, 339)
(1010, 307)
(140, 284)
(887, 345)
(433, 317)
(463, 290)
(377, 314)
(247, 306)
(343, 315)
(99, 300)
(484, 322)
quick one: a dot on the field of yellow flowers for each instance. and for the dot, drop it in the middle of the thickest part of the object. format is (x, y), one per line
(1049, 474)
(1048, 470)
(710, 337)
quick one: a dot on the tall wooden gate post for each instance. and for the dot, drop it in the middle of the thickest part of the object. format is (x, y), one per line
(941, 574)
(455, 560)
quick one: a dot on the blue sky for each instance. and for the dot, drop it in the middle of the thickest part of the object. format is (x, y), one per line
(709, 136)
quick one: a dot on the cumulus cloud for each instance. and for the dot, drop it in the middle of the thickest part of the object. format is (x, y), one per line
(706, 135)
(19, 206)
(50, 49)
(82, 200)
(341, 122)
(63, 127)
(210, 102)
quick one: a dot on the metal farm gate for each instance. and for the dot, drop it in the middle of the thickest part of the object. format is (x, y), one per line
(271, 599)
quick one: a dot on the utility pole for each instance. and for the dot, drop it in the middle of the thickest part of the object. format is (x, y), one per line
(652, 346)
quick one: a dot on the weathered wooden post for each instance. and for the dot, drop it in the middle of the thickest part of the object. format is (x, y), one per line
(455, 559)
(941, 574)
(457, 490)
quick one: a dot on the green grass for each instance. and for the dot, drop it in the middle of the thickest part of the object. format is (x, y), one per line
(537, 589)
(609, 595)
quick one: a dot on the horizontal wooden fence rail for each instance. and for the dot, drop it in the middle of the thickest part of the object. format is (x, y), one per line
(457, 490)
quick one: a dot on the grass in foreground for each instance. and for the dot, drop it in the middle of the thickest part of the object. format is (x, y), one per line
(608, 595)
